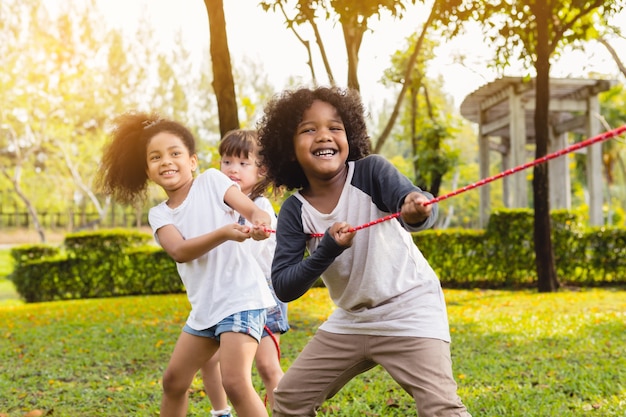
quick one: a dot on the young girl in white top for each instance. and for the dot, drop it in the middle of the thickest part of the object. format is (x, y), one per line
(197, 226)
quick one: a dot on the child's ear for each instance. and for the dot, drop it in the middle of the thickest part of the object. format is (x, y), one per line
(194, 162)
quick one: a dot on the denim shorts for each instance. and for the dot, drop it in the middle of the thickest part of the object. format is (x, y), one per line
(250, 322)
(276, 322)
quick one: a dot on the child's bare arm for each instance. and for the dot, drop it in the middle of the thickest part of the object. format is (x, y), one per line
(185, 250)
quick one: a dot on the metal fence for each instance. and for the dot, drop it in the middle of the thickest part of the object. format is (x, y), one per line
(74, 221)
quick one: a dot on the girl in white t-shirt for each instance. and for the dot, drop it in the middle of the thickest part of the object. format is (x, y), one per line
(197, 226)
(239, 161)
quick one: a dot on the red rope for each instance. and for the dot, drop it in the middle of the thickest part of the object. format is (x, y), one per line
(596, 139)
(267, 329)
(269, 332)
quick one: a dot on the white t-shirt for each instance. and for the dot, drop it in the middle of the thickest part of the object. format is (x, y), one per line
(263, 250)
(382, 285)
(226, 279)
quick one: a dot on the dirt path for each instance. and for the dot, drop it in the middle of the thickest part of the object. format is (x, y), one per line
(10, 238)
(14, 237)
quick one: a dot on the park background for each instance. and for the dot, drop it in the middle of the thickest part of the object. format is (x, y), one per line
(72, 66)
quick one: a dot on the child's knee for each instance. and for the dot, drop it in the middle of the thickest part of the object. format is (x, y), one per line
(235, 386)
(266, 367)
(173, 384)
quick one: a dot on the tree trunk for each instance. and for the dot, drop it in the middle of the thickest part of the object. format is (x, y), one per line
(353, 35)
(15, 181)
(544, 254)
(223, 83)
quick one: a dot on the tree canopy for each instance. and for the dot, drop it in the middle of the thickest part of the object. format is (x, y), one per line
(71, 72)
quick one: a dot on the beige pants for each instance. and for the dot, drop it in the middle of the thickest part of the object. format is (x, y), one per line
(421, 366)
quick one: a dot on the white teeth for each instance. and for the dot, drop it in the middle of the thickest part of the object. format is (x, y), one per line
(325, 152)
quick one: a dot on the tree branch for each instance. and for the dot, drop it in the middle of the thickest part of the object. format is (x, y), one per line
(614, 54)
(407, 81)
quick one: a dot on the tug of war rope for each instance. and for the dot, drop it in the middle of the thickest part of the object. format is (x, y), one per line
(588, 142)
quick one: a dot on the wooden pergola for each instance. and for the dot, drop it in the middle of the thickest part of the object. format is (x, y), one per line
(504, 111)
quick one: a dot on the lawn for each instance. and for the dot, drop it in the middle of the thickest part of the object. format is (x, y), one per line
(515, 353)
(8, 295)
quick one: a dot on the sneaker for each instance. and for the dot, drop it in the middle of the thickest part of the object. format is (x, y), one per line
(219, 413)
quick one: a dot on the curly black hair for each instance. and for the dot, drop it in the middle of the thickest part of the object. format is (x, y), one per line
(283, 113)
(122, 171)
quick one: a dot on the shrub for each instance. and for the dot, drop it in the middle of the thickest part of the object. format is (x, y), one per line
(122, 262)
(504, 256)
(94, 264)
(29, 253)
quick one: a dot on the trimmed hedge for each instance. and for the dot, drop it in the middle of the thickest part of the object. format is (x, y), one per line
(121, 262)
(30, 253)
(106, 263)
(504, 254)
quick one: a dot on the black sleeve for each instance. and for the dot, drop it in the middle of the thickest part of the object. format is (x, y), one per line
(292, 274)
(388, 188)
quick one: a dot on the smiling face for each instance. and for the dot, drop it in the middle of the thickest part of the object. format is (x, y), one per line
(170, 164)
(320, 143)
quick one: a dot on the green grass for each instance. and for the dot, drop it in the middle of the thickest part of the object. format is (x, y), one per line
(6, 262)
(515, 354)
(8, 295)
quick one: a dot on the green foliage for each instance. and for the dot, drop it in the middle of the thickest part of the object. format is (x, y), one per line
(122, 262)
(48, 279)
(95, 244)
(6, 262)
(149, 270)
(612, 104)
(427, 131)
(434, 155)
(503, 256)
(30, 253)
(510, 247)
(58, 95)
(95, 264)
(607, 253)
(71, 73)
(568, 231)
(453, 254)
(512, 26)
(8, 295)
(514, 353)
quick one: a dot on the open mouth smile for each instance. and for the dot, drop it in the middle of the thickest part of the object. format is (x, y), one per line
(325, 153)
